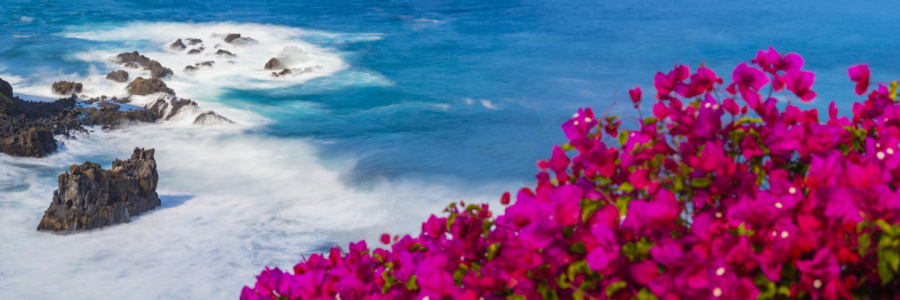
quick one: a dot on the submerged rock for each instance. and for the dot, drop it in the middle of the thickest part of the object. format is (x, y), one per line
(225, 53)
(165, 110)
(192, 41)
(117, 76)
(211, 118)
(178, 45)
(89, 197)
(135, 60)
(142, 87)
(65, 87)
(231, 37)
(274, 64)
(157, 70)
(282, 73)
(195, 51)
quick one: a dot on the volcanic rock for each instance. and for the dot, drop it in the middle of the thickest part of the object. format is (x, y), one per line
(132, 59)
(65, 87)
(157, 70)
(141, 86)
(89, 197)
(118, 76)
(225, 53)
(165, 110)
(282, 73)
(274, 64)
(231, 37)
(211, 118)
(190, 68)
(178, 45)
(195, 51)
(192, 41)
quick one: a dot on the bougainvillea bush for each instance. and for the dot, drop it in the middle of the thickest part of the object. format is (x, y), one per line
(724, 192)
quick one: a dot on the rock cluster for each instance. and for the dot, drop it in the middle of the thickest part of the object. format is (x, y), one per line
(142, 87)
(118, 76)
(65, 87)
(274, 64)
(178, 45)
(136, 60)
(89, 197)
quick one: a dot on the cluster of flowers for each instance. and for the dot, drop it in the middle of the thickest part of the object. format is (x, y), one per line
(708, 199)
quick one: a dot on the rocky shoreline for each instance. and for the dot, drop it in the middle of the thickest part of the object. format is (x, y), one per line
(30, 128)
(89, 197)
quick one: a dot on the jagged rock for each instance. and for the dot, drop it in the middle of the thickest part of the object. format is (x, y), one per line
(225, 53)
(192, 41)
(141, 86)
(27, 128)
(195, 51)
(231, 37)
(165, 110)
(132, 65)
(65, 87)
(211, 118)
(89, 197)
(190, 68)
(118, 76)
(282, 73)
(178, 45)
(157, 70)
(6, 89)
(33, 142)
(133, 59)
(207, 63)
(274, 64)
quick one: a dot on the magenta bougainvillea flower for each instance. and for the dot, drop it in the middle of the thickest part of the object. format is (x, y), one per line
(860, 75)
(737, 197)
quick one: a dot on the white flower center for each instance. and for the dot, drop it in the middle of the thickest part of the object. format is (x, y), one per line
(576, 123)
(778, 205)
(587, 120)
(890, 151)
(784, 234)
(720, 271)
(817, 283)
(718, 214)
(575, 115)
(879, 155)
(717, 292)
(707, 105)
(792, 190)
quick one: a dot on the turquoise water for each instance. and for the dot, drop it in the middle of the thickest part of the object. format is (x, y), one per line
(425, 102)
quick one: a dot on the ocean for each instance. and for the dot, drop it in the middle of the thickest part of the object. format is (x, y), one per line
(409, 105)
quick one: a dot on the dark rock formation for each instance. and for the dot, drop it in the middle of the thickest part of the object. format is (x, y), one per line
(65, 87)
(157, 70)
(274, 64)
(178, 45)
(231, 37)
(27, 128)
(282, 73)
(195, 51)
(165, 110)
(211, 118)
(90, 197)
(6, 90)
(192, 41)
(225, 53)
(141, 86)
(133, 58)
(136, 60)
(198, 65)
(117, 76)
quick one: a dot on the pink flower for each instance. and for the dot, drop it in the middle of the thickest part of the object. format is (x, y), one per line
(635, 94)
(860, 75)
(749, 80)
(800, 83)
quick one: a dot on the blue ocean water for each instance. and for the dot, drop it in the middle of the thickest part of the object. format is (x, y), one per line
(437, 101)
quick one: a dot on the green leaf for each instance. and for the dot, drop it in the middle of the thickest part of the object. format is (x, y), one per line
(645, 294)
(701, 183)
(622, 205)
(576, 268)
(588, 207)
(562, 282)
(884, 272)
(893, 90)
(411, 284)
(492, 250)
(615, 287)
(450, 220)
(892, 257)
(626, 187)
(865, 241)
(623, 137)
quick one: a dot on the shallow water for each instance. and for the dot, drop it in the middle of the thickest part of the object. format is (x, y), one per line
(416, 104)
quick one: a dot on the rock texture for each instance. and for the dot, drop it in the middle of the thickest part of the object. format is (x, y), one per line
(192, 41)
(274, 64)
(195, 51)
(136, 60)
(90, 197)
(231, 37)
(142, 87)
(225, 53)
(117, 76)
(211, 118)
(178, 45)
(65, 87)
